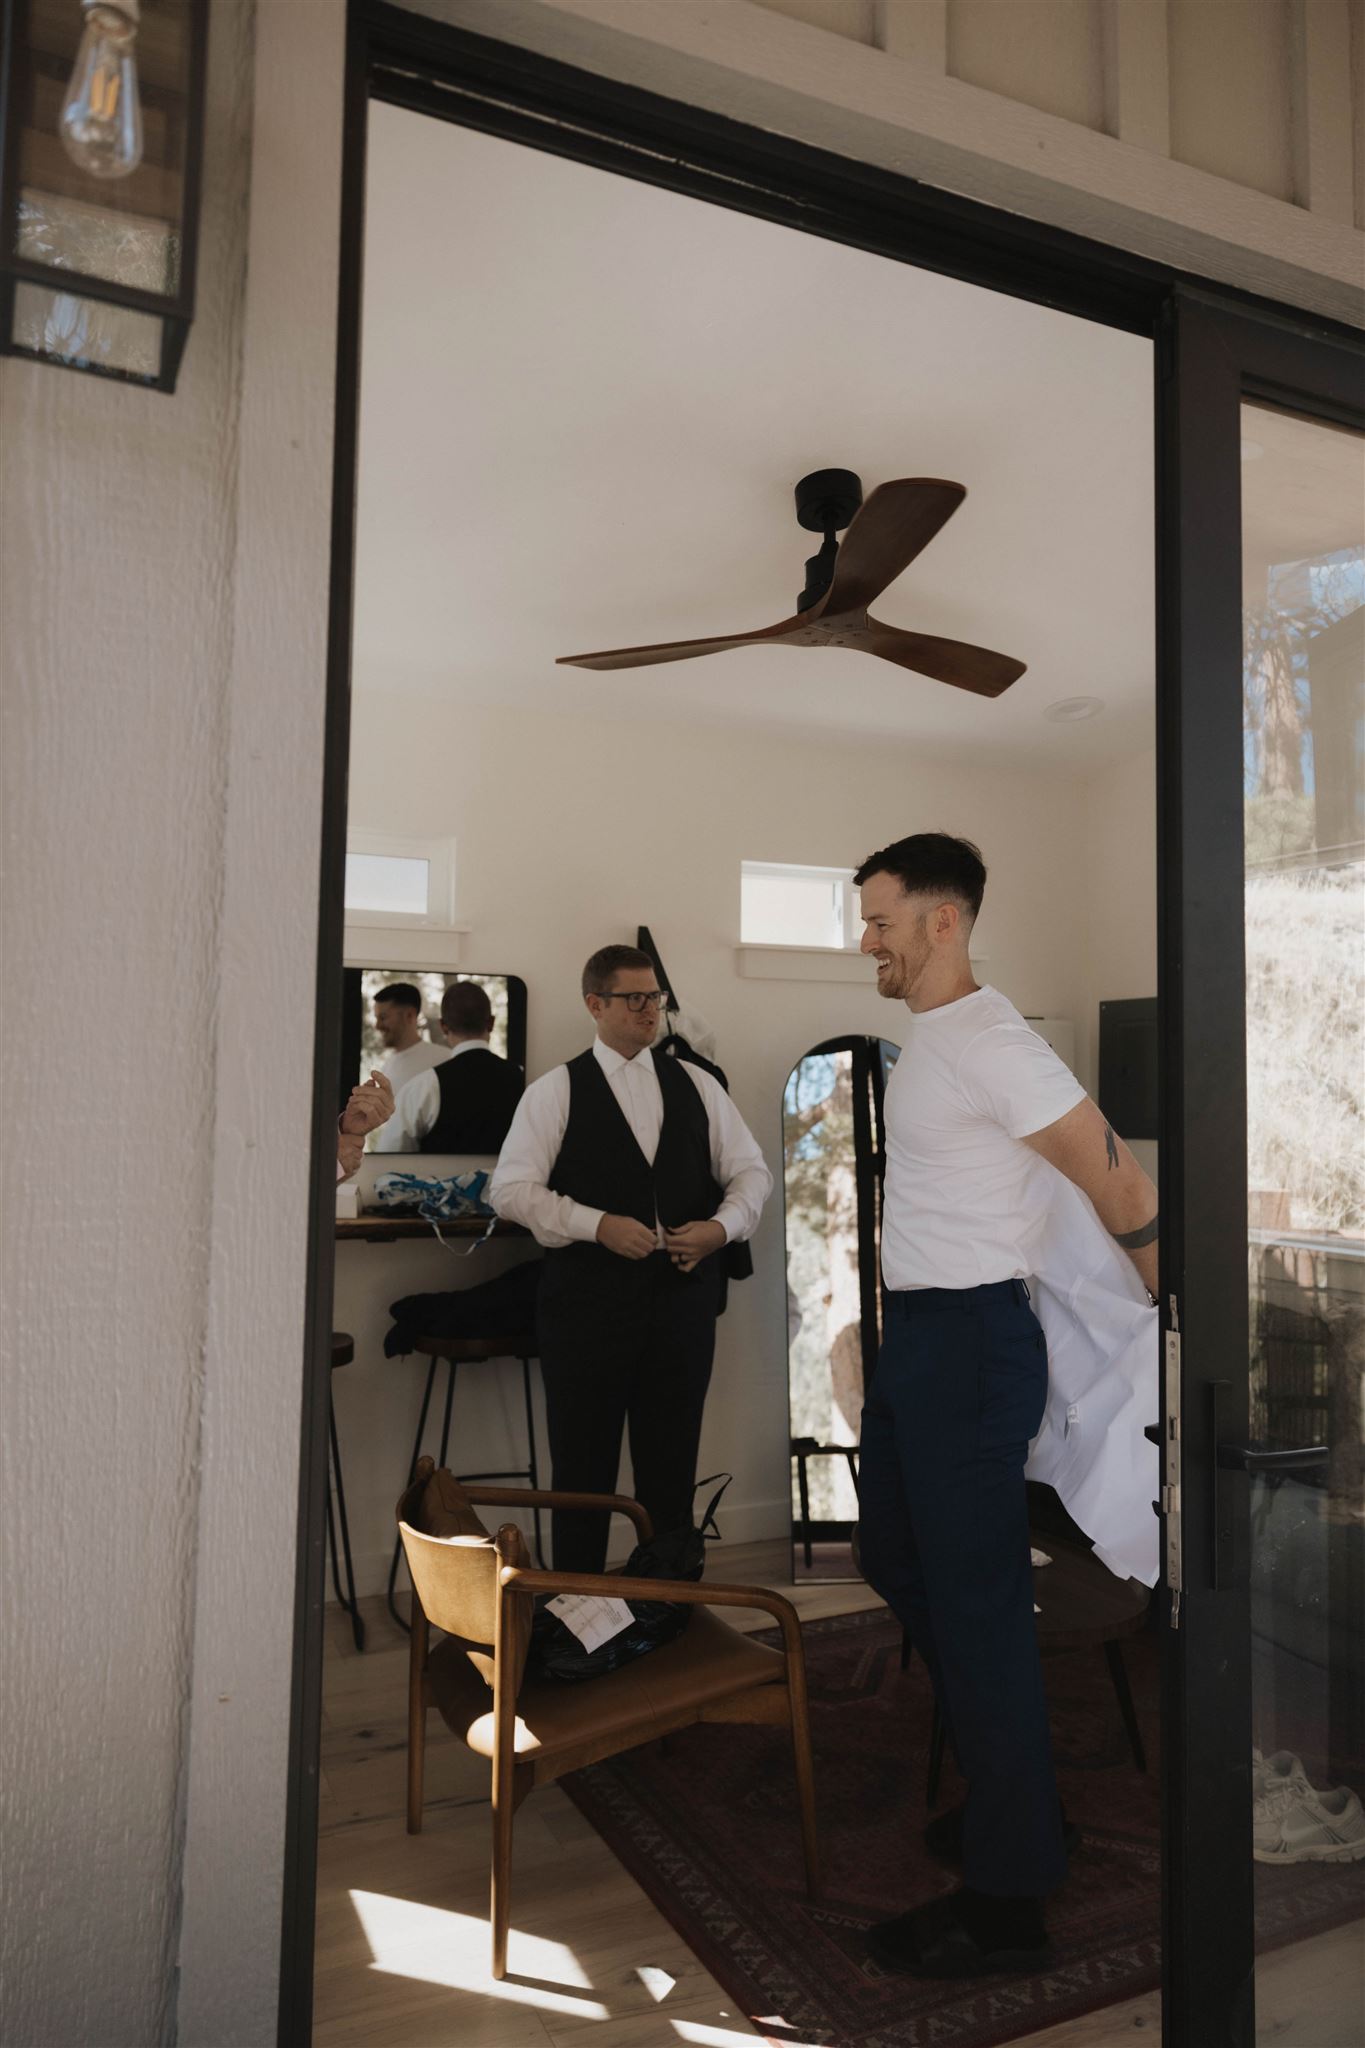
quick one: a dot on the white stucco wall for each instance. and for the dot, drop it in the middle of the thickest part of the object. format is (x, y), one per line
(118, 518)
(162, 727)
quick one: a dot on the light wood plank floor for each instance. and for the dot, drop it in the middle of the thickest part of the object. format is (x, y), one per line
(402, 1931)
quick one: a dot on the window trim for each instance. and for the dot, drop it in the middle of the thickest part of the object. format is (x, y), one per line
(439, 854)
(808, 871)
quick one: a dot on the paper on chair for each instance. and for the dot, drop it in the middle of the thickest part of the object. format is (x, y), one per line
(592, 1619)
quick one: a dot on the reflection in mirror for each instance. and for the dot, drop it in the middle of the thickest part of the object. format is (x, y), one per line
(392, 1021)
(833, 1147)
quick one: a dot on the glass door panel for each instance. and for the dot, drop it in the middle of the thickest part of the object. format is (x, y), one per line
(1303, 585)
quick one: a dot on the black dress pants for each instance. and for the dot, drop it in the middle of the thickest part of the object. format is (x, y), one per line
(624, 1343)
(958, 1393)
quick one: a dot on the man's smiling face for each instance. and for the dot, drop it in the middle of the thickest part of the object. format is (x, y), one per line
(895, 934)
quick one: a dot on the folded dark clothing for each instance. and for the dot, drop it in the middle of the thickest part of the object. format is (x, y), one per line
(502, 1307)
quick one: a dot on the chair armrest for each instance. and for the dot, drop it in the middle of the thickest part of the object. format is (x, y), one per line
(692, 1592)
(539, 1497)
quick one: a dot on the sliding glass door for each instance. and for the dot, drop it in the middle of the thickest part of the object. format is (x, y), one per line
(1264, 1286)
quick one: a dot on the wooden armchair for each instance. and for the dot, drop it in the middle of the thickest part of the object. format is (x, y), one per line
(480, 1589)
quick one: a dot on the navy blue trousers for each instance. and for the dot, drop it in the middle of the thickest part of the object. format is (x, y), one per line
(958, 1393)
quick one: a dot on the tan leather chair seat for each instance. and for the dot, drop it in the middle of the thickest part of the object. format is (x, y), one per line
(709, 1661)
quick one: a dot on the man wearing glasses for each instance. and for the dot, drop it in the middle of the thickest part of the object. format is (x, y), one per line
(634, 1173)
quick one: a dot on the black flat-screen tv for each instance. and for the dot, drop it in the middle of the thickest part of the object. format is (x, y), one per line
(1128, 1067)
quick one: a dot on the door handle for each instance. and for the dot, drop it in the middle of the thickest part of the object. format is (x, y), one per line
(1228, 1537)
(1249, 1458)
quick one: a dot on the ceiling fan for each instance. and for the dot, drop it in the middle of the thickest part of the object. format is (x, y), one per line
(884, 536)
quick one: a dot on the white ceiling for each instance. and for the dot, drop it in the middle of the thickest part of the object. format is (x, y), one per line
(585, 404)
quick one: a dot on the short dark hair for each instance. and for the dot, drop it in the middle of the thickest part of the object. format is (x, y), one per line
(403, 994)
(931, 864)
(465, 1007)
(606, 963)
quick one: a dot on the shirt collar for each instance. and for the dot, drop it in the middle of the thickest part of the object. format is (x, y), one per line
(611, 1062)
(467, 1045)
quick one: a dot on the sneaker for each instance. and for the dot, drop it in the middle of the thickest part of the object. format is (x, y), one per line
(1321, 1827)
(1275, 1780)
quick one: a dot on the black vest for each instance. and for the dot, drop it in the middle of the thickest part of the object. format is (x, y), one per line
(600, 1164)
(479, 1094)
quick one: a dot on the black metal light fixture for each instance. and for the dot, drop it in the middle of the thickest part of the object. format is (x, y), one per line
(102, 105)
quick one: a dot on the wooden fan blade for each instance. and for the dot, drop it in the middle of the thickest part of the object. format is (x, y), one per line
(678, 650)
(977, 669)
(885, 536)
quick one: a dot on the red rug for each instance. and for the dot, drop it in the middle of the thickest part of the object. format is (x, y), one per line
(708, 1828)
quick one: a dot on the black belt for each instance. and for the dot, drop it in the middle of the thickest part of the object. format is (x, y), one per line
(918, 1300)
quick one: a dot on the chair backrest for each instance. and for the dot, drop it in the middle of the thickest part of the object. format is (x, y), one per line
(454, 1562)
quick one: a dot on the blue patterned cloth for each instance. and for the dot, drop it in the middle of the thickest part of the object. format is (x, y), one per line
(437, 1201)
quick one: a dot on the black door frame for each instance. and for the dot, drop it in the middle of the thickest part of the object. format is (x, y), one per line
(1211, 356)
(411, 61)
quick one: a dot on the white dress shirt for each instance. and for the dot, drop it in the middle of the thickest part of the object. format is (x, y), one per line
(401, 1067)
(520, 1190)
(417, 1104)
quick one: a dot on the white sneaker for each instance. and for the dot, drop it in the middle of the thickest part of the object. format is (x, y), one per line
(1322, 1827)
(1276, 1779)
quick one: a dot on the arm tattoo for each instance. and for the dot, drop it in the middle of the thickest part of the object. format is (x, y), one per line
(1134, 1240)
(1111, 1147)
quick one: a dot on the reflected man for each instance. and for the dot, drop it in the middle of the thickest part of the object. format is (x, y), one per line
(467, 1104)
(397, 1019)
(634, 1172)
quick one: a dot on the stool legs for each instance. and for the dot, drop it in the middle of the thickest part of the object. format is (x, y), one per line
(445, 1422)
(412, 1473)
(350, 1603)
(1113, 1656)
(938, 1735)
(803, 1485)
(1118, 1671)
(531, 1471)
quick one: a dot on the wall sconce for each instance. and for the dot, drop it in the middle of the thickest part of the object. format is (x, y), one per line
(102, 106)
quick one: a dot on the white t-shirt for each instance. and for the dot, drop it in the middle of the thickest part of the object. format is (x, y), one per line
(963, 1194)
(402, 1067)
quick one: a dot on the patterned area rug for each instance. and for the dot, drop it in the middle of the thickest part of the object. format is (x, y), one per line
(707, 1827)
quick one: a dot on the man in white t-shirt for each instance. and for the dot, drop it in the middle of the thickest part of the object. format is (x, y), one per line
(981, 1116)
(397, 1017)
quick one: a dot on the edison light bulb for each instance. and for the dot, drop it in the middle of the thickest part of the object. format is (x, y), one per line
(101, 121)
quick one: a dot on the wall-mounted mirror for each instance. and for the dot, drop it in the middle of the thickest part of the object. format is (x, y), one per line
(833, 1150)
(453, 1045)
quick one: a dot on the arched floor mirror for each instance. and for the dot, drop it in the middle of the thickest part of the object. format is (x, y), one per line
(833, 1156)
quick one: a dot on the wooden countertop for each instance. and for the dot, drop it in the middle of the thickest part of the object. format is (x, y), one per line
(374, 1227)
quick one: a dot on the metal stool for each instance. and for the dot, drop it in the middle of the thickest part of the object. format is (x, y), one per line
(1082, 1606)
(468, 1351)
(804, 1447)
(343, 1351)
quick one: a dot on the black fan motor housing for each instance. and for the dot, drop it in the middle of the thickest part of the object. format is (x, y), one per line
(827, 499)
(826, 502)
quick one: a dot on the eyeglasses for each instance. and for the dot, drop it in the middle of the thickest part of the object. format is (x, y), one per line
(638, 999)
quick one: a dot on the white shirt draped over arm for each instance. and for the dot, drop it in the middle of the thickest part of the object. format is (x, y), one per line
(520, 1190)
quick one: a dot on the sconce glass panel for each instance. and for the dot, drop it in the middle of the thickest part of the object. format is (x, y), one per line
(97, 274)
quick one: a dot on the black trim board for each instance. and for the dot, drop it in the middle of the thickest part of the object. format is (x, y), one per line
(1210, 359)
(299, 1901)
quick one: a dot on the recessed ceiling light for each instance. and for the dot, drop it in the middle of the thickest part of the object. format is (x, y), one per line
(1252, 451)
(1067, 710)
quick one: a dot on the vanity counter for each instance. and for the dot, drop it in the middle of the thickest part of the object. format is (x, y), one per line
(375, 1227)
